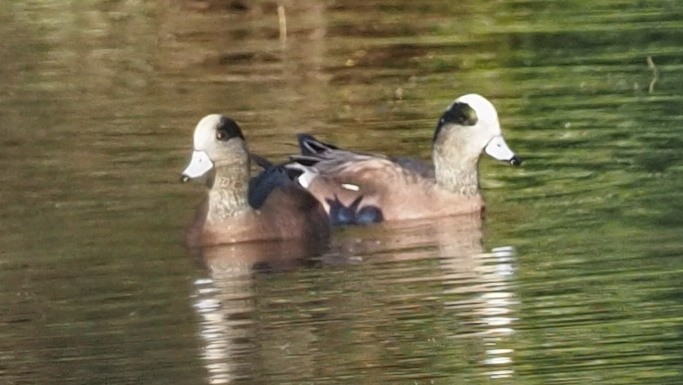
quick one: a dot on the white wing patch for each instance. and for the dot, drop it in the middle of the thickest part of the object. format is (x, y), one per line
(350, 186)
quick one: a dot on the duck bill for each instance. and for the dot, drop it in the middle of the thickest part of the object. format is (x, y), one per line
(498, 149)
(199, 165)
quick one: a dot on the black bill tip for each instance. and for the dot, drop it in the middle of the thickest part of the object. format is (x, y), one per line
(516, 161)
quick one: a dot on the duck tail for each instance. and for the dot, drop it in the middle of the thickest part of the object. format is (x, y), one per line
(312, 146)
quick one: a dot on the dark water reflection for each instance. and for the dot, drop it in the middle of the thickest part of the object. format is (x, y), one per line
(573, 277)
(362, 308)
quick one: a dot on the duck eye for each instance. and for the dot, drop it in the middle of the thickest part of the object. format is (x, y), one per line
(227, 129)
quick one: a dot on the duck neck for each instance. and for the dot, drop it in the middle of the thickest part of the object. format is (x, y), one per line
(228, 189)
(456, 174)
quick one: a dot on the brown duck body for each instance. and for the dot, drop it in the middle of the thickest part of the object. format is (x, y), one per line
(288, 213)
(350, 184)
(237, 209)
(398, 192)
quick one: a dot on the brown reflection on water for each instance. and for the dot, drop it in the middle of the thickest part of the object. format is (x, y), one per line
(226, 302)
(237, 58)
(370, 291)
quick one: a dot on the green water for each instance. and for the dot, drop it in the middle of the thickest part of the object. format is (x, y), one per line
(574, 277)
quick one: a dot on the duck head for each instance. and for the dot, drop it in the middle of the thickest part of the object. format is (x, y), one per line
(217, 140)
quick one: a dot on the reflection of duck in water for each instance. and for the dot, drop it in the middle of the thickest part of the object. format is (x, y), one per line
(419, 280)
(239, 208)
(365, 188)
(246, 224)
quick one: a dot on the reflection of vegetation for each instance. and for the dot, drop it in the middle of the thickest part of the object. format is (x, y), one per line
(589, 297)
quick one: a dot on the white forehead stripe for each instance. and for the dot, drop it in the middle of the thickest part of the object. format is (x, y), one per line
(206, 130)
(482, 106)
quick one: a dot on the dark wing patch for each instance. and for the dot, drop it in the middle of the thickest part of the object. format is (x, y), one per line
(272, 177)
(341, 215)
(368, 215)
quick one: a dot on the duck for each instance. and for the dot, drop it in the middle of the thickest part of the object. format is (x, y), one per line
(361, 188)
(270, 206)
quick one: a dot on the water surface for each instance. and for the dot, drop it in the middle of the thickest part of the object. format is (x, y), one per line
(573, 277)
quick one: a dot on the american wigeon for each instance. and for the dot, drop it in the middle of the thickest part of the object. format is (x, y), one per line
(239, 208)
(360, 188)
